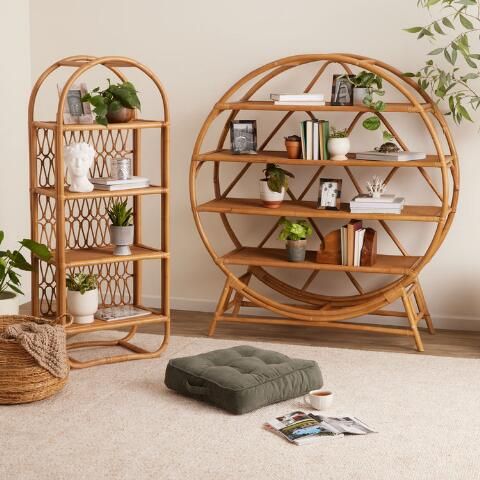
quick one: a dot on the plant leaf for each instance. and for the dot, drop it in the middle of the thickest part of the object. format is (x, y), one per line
(2, 236)
(371, 123)
(466, 22)
(38, 249)
(436, 51)
(448, 23)
(413, 29)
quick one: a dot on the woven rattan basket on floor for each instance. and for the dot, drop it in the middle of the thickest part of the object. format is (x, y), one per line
(22, 380)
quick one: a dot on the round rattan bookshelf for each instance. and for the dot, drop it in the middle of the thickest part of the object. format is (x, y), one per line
(303, 306)
(75, 225)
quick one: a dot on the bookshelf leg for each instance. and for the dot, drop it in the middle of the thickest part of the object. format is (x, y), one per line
(237, 302)
(227, 289)
(413, 319)
(422, 305)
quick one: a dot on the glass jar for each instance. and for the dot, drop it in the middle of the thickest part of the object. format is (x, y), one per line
(121, 168)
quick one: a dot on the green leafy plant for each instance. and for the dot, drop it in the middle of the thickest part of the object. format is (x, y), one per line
(387, 136)
(457, 23)
(111, 100)
(13, 260)
(276, 177)
(334, 133)
(366, 79)
(81, 282)
(299, 230)
(120, 215)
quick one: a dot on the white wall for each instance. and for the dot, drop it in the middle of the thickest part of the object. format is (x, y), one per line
(15, 85)
(199, 49)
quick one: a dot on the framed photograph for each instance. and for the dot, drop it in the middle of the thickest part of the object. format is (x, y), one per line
(342, 90)
(329, 194)
(243, 136)
(76, 111)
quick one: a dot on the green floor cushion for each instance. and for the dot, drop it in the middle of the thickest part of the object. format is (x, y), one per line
(243, 378)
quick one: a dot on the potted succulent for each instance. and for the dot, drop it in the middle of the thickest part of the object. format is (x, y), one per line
(10, 262)
(296, 234)
(274, 185)
(82, 297)
(365, 85)
(338, 144)
(293, 144)
(115, 104)
(121, 229)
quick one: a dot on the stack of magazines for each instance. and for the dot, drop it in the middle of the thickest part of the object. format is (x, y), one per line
(112, 184)
(384, 204)
(301, 428)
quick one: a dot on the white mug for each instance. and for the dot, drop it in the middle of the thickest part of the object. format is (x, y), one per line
(319, 399)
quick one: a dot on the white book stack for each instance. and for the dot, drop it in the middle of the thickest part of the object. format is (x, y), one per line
(298, 99)
(112, 184)
(390, 156)
(389, 204)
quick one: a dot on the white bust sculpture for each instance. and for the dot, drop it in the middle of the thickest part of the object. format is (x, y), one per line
(78, 160)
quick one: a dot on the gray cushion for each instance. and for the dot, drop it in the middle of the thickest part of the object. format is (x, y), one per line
(243, 378)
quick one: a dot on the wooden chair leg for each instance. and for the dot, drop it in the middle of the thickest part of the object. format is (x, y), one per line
(422, 305)
(222, 302)
(413, 319)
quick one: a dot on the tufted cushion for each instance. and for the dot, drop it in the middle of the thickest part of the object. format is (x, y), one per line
(243, 378)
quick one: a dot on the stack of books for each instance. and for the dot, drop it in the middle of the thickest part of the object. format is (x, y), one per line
(314, 134)
(384, 204)
(308, 99)
(113, 184)
(358, 244)
(393, 156)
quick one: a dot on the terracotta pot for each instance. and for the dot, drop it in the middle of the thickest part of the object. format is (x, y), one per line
(122, 115)
(269, 198)
(294, 148)
(82, 306)
(296, 250)
(8, 303)
(121, 237)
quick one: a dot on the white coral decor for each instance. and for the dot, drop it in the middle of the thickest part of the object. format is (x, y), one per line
(376, 187)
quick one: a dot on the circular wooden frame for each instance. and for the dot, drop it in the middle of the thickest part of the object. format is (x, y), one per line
(313, 305)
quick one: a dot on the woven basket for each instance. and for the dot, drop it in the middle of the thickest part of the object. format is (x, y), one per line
(22, 379)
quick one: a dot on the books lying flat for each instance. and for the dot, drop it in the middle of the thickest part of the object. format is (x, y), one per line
(297, 102)
(393, 156)
(111, 184)
(297, 97)
(120, 312)
(366, 198)
(394, 206)
(128, 186)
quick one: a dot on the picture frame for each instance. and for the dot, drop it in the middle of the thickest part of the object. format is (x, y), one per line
(243, 137)
(329, 194)
(76, 111)
(342, 90)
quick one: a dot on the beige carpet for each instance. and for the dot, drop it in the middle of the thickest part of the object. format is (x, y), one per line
(120, 422)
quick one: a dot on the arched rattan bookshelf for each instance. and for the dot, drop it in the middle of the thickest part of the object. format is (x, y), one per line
(75, 225)
(303, 306)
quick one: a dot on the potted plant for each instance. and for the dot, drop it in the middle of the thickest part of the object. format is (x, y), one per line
(274, 185)
(121, 229)
(10, 262)
(365, 85)
(296, 234)
(338, 144)
(293, 144)
(115, 104)
(82, 297)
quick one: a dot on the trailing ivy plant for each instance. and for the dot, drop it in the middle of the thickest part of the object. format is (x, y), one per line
(452, 71)
(298, 230)
(276, 177)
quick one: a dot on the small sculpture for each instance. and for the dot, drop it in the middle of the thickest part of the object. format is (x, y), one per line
(388, 147)
(376, 187)
(78, 160)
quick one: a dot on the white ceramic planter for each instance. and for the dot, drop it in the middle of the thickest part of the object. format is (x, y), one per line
(82, 307)
(359, 94)
(338, 148)
(8, 303)
(121, 237)
(270, 199)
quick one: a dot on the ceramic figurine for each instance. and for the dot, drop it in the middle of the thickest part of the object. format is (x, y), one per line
(78, 160)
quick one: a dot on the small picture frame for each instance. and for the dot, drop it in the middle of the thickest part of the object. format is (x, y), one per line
(76, 111)
(329, 194)
(243, 137)
(342, 90)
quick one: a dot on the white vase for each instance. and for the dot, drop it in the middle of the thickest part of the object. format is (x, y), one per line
(82, 307)
(338, 148)
(359, 93)
(270, 198)
(121, 237)
(9, 303)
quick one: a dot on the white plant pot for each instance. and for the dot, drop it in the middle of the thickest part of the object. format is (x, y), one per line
(338, 148)
(121, 237)
(82, 307)
(359, 94)
(269, 198)
(9, 303)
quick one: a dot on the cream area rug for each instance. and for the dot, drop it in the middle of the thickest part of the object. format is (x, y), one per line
(120, 422)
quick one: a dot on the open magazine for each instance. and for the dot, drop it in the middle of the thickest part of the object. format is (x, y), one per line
(302, 428)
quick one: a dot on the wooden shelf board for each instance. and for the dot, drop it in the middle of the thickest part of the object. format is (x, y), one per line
(290, 208)
(276, 257)
(103, 255)
(115, 324)
(134, 124)
(281, 158)
(268, 105)
(151, 190)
